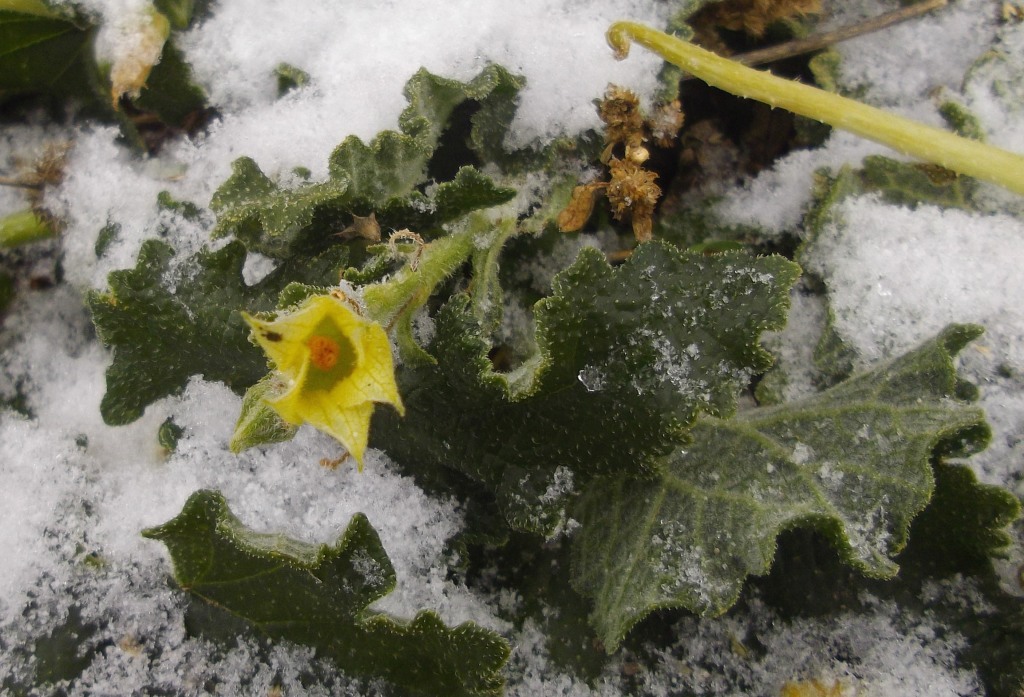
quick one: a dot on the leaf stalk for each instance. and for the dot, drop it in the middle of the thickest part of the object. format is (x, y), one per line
(904, 135)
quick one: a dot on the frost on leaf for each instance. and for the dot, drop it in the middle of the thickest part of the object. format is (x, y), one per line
(628, 357)
(853, 461)
(318, 595)
(148, 30)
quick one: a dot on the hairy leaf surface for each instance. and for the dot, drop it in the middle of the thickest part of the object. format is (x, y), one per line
(161, 338)
(383, 177)
(628, 358)
(318, 595)
(853, 461)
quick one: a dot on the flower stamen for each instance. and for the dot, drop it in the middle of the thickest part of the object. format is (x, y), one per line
(323, 351)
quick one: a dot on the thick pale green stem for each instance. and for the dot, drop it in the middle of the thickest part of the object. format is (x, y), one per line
(408, 290)
(917, 140)
(392, 303)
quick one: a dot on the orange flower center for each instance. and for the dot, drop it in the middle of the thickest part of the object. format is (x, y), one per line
(323, 351)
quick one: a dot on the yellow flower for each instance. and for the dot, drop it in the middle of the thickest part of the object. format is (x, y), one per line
(337, 365)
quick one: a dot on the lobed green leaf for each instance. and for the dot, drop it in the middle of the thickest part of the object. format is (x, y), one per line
(627, 359)
(161, 338)
(853, 461)
(319, 595)
(384, 176)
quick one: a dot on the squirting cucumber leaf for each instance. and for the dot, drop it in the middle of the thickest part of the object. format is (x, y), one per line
(160, 339)
(383, 177)
(319, 595)
(44, 51)
(628, 357)
(853, 461)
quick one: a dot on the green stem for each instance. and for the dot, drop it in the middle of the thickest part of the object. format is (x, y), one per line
(24, 227)
(402, 295)
(917, 140)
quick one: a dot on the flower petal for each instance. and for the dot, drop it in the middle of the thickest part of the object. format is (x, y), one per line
(337, 365)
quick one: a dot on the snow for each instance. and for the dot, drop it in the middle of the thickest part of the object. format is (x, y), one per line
(880, 651)
(70, 538)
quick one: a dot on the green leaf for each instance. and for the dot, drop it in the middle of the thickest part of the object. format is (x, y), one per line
(319, 595)
(181, 13)
(169, 434)
(627, 359)
(42, 51)
(383, 177)
(965, 524)
(160, 339)
(853, 462)
(259, 424)
(908, 183)
(289, 78)
(468, 191)
(266, 218)
(170, 91)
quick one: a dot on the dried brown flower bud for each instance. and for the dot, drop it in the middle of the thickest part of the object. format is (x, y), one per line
(620, 110)
(366, 227)
(631, 189)
(637, 155)
(632, 194)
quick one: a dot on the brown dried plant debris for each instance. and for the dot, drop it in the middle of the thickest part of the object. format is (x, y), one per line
(1011, 12)
(632, 194)
(630, 187)
(581, 206)
(624, 122)
(365, 227)
(665, 123)
(36, 175)
(45, 170)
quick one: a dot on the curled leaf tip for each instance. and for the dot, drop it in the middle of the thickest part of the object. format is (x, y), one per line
(336, 366)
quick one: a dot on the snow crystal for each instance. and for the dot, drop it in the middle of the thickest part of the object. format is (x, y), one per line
(793, 347)
(900, 65)
(882, 651)
(592, 378)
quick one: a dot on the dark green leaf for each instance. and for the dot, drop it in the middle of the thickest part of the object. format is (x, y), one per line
(627, 359)
(318, 595)
(289, 78)
(181, 13)
(909, 184)
(266, 218)
(965, 524)
(168, 435)
(853, 462)
(383, 177)
(170, 91)
(160, 339)
(42, 51)
(468, 191)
